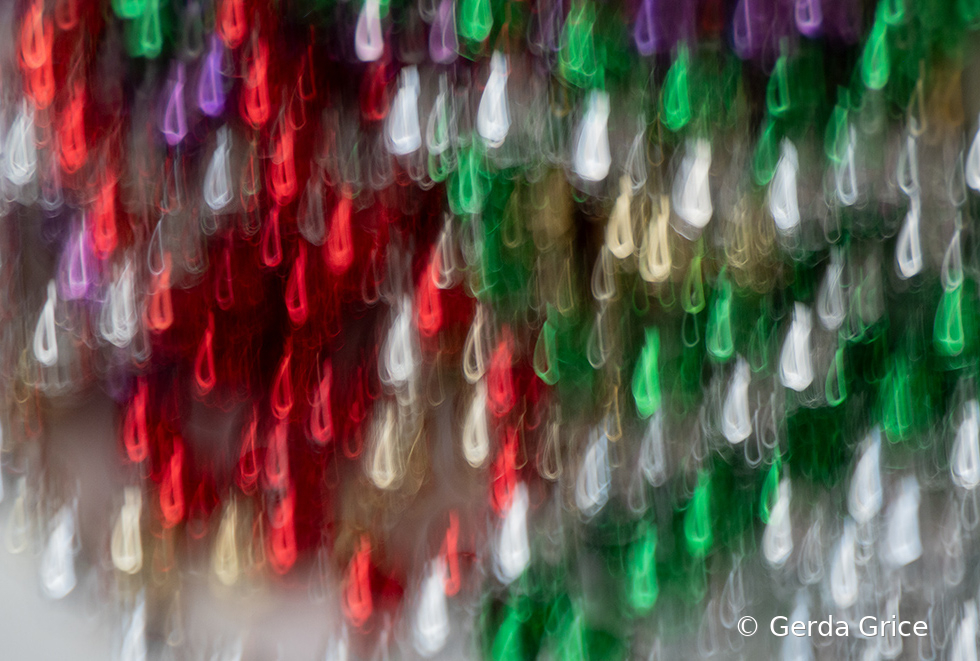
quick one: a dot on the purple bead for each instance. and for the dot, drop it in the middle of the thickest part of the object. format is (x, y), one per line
(75, 273)
(174, 120)
(443, 42)
(552, 20)
(809, 17)
(210, 86)
(751, 27)
(645, 29)
(661, 25)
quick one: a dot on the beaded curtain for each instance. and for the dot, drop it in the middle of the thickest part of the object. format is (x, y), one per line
(506, 329)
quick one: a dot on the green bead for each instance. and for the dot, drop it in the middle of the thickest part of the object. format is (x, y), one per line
(948, 336)
(875, 61)
(770, 488)
(897, 400)
(766, 155)
(676, 93)
(467, 191)
(646, 376)
(642, 570)
(835, 387)
(759, 345)
(475, 20)
(546, 355)
(835, 138)
(439, 167)
(893, 12)
(150, 30)
(697, 519)
(719, 333)
(508, 643)
(777, 90)
(578, 57)
(692, 291)
(128, 9)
